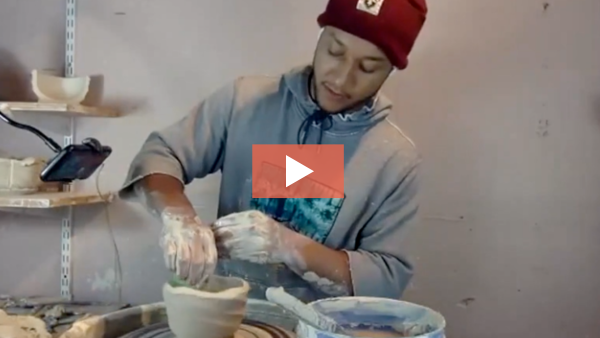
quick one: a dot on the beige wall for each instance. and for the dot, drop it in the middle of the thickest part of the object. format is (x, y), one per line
(502, 98)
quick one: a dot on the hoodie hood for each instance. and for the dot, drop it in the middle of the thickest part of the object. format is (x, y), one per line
(350, 122)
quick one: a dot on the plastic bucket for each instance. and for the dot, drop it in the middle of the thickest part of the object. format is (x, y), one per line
(387, 317)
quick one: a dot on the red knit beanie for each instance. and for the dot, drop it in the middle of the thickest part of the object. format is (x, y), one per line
(391, 25)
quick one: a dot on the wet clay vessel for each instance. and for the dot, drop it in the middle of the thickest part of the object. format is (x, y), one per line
(214, 311)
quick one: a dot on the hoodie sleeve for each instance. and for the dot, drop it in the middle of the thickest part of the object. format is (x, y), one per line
(192, 147)
(378, 267)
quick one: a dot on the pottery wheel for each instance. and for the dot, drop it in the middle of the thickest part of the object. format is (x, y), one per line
(248, 329)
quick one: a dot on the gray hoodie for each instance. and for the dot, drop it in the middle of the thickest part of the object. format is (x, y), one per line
(380, 177)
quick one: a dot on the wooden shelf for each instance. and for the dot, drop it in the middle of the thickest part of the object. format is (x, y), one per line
(48, 200)
(62, 109)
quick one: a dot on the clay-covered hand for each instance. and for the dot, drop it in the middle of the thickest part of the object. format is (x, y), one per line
(188, 247)
(252, 236)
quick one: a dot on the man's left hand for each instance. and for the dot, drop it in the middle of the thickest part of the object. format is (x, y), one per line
(252, 236)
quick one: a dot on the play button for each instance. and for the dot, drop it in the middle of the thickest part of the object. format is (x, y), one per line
(294, 171)
(298, 171)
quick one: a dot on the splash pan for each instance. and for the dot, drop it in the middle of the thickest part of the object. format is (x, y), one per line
(263, 320)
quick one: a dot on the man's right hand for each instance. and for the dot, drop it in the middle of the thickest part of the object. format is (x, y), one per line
(188, 246)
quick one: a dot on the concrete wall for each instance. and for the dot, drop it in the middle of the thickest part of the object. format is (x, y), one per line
(502, 98)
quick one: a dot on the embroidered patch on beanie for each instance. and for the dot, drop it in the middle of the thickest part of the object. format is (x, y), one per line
(370, 6)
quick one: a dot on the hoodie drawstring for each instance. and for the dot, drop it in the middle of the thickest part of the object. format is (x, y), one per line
(320, 118)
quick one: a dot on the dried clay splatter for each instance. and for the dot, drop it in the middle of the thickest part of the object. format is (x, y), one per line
(325, 285)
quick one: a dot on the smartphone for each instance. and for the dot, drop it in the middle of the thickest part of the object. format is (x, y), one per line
(76, 162)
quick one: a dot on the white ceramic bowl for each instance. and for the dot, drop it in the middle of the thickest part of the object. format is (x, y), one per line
(22, 176)
(55, 89)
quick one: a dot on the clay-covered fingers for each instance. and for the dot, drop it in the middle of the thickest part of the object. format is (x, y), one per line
(182, 260)
(227, 237)
(198, 260)
(242, 242)
(168, 245)
(237, 219)
(221, 235)
(222, 250)
(204, 261)
(248, 235)
(189, 251)
(225, 222)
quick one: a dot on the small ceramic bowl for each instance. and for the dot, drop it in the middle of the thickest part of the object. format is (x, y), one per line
(55, 89)
(376, 318)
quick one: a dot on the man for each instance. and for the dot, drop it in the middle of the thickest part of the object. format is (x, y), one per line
(352, 247)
